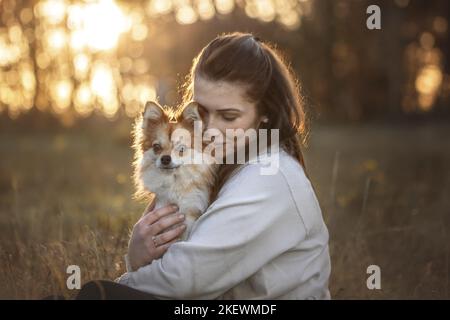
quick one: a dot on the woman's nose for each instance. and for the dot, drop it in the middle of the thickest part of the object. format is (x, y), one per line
(210, 123)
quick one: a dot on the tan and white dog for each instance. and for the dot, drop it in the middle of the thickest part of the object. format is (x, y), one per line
(162, 163)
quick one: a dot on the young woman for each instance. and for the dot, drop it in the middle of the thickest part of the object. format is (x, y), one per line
(263, 236)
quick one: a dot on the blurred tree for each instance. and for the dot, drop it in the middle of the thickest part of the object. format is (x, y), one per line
(75, 58)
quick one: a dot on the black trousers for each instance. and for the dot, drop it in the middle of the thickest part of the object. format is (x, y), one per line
(106, 290)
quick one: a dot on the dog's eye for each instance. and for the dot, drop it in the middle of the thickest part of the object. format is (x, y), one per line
(157, 147)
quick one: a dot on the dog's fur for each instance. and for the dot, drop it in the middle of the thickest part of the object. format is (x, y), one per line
(186, 185)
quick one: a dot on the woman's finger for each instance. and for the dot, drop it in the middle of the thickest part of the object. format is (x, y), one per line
(171, 234)
(166, 222)
(157, 214)
(160, 250)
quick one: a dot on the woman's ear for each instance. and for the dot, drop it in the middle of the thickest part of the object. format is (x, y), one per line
(152, 112)
(190, 113)
(263, 120)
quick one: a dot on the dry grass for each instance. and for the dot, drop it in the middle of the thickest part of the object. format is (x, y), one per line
(384, 193)
(65, 198)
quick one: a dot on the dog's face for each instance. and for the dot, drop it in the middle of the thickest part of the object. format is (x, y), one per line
(167, 143)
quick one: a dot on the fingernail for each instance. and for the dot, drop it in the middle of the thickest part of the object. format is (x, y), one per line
(175, 207)
(181, 216)
(183, 226)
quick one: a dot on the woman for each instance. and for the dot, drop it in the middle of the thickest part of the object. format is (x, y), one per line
(263, 236)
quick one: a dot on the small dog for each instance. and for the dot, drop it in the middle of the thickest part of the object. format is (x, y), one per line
(160, 165)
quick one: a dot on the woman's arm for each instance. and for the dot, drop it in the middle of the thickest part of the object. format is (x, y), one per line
(253, 221)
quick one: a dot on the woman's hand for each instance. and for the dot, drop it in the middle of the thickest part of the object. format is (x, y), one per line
(150, 239)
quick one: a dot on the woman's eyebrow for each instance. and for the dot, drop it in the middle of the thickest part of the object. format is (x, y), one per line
(219, 110)
(228, 109)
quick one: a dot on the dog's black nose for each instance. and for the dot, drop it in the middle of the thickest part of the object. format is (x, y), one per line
(165, 160)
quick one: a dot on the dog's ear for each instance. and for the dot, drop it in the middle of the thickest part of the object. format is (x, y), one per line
(190, 113)
(152, 112)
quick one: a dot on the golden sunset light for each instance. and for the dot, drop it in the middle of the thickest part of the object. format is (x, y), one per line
(105, 103)
(75, 46)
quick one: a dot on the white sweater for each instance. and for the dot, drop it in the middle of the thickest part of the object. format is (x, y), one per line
(263, 238)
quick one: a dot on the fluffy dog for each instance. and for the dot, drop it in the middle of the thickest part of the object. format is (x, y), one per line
(163, 163)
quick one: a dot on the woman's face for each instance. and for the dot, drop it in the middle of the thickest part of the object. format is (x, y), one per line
(223, 105)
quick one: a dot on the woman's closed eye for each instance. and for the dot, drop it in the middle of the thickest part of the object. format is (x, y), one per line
(229, 118)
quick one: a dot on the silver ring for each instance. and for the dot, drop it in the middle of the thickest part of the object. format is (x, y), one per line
(154, 241)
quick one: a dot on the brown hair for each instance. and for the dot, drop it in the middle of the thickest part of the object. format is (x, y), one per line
(270, 82)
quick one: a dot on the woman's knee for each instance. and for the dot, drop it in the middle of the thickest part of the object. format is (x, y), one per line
(94, 290)
(110, 290)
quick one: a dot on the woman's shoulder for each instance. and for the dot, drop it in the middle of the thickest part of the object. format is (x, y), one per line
(278, 168)
(279, 177)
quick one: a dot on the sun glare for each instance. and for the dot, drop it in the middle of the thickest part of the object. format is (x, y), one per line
(97, 25)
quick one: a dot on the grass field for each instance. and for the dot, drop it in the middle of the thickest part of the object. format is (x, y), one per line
(66, 198)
